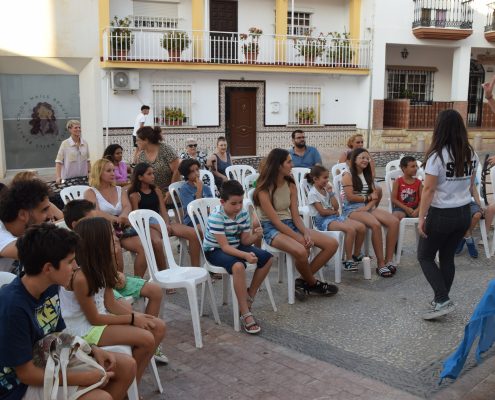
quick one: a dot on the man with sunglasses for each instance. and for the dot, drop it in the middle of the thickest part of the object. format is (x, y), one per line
(303, 156)
(192, 152)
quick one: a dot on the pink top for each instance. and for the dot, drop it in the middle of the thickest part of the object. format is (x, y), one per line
(121, 172)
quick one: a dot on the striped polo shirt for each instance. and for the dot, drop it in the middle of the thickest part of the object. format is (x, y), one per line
(221, 224)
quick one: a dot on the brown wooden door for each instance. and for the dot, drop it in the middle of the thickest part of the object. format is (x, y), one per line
(223, 19)
(242, 121)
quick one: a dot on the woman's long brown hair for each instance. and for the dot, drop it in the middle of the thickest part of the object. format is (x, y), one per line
(357, 185)
(269, 173)
(450, 133)
(95, 253)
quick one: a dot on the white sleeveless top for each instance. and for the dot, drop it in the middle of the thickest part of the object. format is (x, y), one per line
(73, 315)
(106, 206)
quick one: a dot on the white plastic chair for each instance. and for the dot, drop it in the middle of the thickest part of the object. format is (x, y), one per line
(132, 392)
(249, 180)
(395, 165)
(175, 276)
(6, 278)
(174, 190)
(211, 178)
(482, 223)
(239, 173)
(198, 211)
(75, 192)
(281, 256)
(338, 168)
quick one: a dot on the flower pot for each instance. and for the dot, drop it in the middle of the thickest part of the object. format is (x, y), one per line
(174, 54)
(250, 56)
(177, 122)
(303, 121)
(121, 54)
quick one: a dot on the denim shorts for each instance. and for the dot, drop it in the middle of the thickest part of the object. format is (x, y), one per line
(219, 258)
(394, 209)
(351, 207)
(322, 222)
(475, 208)
(269, 230)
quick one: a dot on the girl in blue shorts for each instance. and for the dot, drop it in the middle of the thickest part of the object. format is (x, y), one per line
(360, 204)
(275, 199)
(324, 208)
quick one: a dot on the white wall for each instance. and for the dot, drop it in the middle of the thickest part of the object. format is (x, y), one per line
(338, 93)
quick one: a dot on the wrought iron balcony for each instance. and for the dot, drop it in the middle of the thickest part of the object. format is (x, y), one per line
(148, 44)
(490, 24)
(443, 19)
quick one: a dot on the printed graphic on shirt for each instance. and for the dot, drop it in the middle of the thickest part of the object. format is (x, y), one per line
(408, 195)
(469, 167)
(47, 315)
(8, 380)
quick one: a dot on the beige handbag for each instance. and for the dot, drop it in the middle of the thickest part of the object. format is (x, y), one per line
(59, 352)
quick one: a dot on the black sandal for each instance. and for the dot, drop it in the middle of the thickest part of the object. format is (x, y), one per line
(384, 272)
(392, 268)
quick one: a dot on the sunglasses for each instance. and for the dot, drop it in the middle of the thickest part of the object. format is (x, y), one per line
(192, 145)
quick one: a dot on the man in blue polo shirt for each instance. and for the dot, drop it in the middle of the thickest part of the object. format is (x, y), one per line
(303, 156)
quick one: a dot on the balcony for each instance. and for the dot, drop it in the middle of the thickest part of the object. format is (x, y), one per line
(490, 24)
(173, 49)
(443, 19)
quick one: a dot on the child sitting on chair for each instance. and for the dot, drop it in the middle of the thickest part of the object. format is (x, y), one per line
(406, 191)
(324, 208)
(193, 188)
(228, 243)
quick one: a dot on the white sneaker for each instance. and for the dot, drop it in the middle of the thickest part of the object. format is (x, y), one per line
(439, 309)
(160, 356)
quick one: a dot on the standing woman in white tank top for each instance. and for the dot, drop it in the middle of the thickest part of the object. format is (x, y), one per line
(113, 204)
(444, 212)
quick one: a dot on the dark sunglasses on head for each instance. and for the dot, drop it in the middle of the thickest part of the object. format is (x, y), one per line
(192, 145)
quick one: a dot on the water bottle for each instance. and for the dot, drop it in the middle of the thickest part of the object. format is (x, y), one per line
(367, 267)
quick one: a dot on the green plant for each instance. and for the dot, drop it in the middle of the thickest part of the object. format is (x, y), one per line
(311, 47)
(250, 40)
(121, 36)
(340, 51)
(306, 114)
(406, 94)
(174, 114)
(175, 40)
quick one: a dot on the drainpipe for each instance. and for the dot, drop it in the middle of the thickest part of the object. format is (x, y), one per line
(370, 96)
(108, 109)
(292, 17)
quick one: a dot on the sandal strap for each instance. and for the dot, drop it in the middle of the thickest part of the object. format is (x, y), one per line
(248, 324)
(383, 271)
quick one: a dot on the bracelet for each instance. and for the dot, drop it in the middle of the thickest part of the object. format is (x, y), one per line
(132, 318)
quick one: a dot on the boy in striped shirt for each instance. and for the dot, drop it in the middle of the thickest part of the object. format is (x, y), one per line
(228, 243)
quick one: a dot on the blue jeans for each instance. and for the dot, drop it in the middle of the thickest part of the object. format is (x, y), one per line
(219, 258)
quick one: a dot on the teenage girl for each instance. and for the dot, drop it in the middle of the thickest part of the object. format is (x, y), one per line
(360, 200)
(324, 208)
(143, 194)
(88, 304)
(275, 198)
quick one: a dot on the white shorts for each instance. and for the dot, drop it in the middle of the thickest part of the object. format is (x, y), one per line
(36, 393)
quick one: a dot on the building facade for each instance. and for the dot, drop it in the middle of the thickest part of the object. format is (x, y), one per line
(250, 70)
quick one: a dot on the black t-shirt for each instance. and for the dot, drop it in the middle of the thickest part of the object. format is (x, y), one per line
(23, 321)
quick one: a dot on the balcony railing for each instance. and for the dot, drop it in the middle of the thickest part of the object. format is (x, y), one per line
(160, 45)
(443, 14)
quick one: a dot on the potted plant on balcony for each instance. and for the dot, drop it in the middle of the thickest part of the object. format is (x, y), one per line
(250, 45)
(174, 116)
(306, 116)
(311, 47)
(175, 42)
(121, 37)
(340, 53)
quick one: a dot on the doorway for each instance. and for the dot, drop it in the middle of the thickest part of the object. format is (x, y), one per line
(475, 94)
(223, 31)
(240, 120)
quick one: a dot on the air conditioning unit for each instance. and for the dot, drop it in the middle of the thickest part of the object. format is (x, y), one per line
(124, 80)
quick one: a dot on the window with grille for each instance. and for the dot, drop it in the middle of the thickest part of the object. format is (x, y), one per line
(302, 23)
(416, 85)
(304, 105)
(155, 14)
(172, 103)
